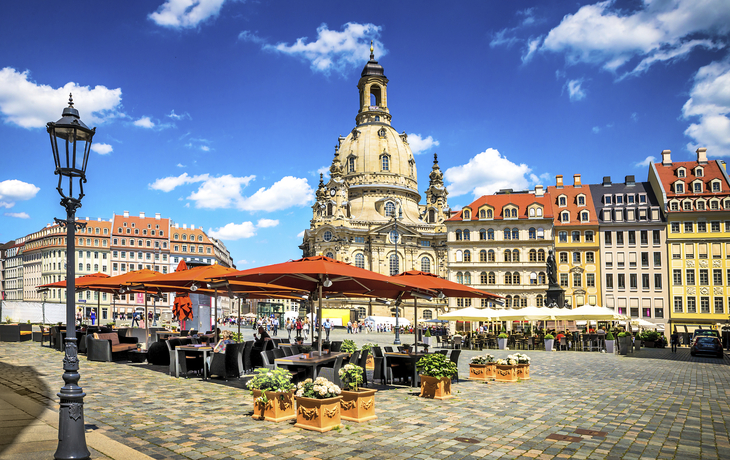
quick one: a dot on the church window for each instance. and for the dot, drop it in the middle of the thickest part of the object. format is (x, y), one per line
(385, 162)
(431, 216)
(351, 165)
(426, 265)
(394, 236)
(411, 165)
(394, 270)
(330, 211)
(330, 255)
(327, 236)
(360, 260)
(389, 209)
(427, 314)
(381, 133)
(377, 118)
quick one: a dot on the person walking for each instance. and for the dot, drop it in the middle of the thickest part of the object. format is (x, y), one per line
(274, 325)
(675, 340)
(298, 327)
(135, 319)
(305, 328)
(92, 316)
(327, 326)
(288, 327)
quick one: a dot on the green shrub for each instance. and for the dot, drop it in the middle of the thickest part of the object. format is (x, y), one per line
(623, 334)
(351, 377)
(348, 346)
(503, 335)
(428, 333)
(437, 365)
(271, 380)
(549, 337)
(609, 336)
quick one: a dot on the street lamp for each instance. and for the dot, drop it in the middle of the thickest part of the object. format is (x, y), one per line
(394, 237)
(71, 155)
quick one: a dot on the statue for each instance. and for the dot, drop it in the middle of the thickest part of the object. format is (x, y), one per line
(552, 268)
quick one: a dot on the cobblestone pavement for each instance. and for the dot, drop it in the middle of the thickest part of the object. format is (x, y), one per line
(653, 404)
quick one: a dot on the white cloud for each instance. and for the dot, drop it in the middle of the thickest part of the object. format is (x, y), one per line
(265, 223)
(180, 165)
(167, 184)
(252, 37)
(575, 90)
(289, 191)
(596, 129)
(645, 162)
(486, 173)
(144, 122)
(242, 262)
(205, 148)
(300, 234)
(634, 117)
(335, 50)
(501, 39)
(233, 231)
(30, 105)
(421, 145)
(18, 215)
(176, 116)
(709, 106)
(220, 192)
(324, 171)
(531, 49)
(15, 190)
(102, 149)
(179, 14)
(658, 31)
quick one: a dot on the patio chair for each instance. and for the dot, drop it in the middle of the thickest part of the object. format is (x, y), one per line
(278, 353)
(269, 364)
(363, 363)
(563, 343)
(295, 349)
(287, 350)
(388, 349)
(456, 343)
(381, 371)
(332, 373)
(247, 347)
(443, 352)
(336, 345)
(228, 364)
(354, 357)
(454, 358)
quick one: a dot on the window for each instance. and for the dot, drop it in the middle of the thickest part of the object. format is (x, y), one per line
(677, 277)
(390, 209)
(385, 162)
(607, 238)
(460, 278)
(644, 235)
(609, 281)
(704, 304)
(716, 188)
(576, 257)
(564, 280)
(577, 280)
(426, 265)
(690, 276)
(467, 256)
(645, 281)
(687, 205)
(584, 216)
(508, 255)
(491, 257)
(719, 307)
(563, 201)
(351, 165)
(515, 234)
(581, 200)
(717, 277)
(677, 304)
(675, 227)
(541, 255)
(698, 187)
(590, 280)
(508, 278)
(688, 227)
(467, 235)
(679, 187)
(515, 255)
(701, 227)
(589, 236)
(619, 199)
(507, 234)
(482, 214)
(704, 277)
(644, 259)
(360, 260)
(632, 237)
(563, 257)
(467, 278)
(715, 226)
(621, 281)
(563, 237)
(702, 250)
(532, 255)
(458, 235)
(466, 215)
(490, 234)
(691, 305)
(482, 235)
(394, 270)
(483, 278)
(620, 238)
(575, 237)
(607, 199)
(565, 216)
(492, 278)
(633, 281)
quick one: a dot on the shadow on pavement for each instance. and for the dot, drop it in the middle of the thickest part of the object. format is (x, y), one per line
(682, 354)
(14, 420)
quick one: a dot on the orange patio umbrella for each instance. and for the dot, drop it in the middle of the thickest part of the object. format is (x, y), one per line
(83, 283)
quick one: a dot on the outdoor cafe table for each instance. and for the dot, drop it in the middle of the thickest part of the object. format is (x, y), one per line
(196, 349)
(409, 359)
(308, 360)
(164, 335)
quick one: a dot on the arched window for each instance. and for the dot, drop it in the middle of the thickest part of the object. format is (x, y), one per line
(515, 278)
(541, 278)
(541, 255)
(489, 214)
(458, 235)
(539, 301)
(540, 233)
(490, 233)
(389, 209)
(330, 255)
(467, 235)
(185, 237)
(459, 256)
(532, 212)
(508, 278)
(584, 216)
(360, 260)
(426, 265)
(483, 278)
(466, 215)
(483, 255)
(330, 210)
(427, 314)
(351, 164)
(467, 278)
(482, 214)
(431, 216)
(532, 233)
(533, 278)
(394, 269)
(491, 278)
(482, 234)
(467, 256)
(507, 234)
(508, 301)
(514, 213)
(385, 162)
(460, 278)
(508, 255)
(515, 233)
(491, 256)
(533, 255)
(515, 255)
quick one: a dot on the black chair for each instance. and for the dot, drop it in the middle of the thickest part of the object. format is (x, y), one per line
(381, 371)
(443, 352)
(388, 349)
(295, 349)
(454, 357)
(287, 350)
(276, 342)
(332, 373)
(269, 364)
(228, 364)
(363, 363)
(336, 345)
(278, 353)
(284, 341)
(354, 357)
(248, 346)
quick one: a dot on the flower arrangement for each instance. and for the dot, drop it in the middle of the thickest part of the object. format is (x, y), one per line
(320, 388)
(503, 335)
(522, 358)
(486, 359)
(368, 347)
(437, 365)
(351, 376)
(277, 380)
(509, 361)
(348, 346)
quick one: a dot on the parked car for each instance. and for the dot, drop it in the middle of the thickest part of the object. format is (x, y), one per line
(706, 344)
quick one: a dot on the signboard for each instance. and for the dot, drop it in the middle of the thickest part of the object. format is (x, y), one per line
(140, 297)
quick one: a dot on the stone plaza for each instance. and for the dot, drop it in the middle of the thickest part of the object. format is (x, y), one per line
(650, 404)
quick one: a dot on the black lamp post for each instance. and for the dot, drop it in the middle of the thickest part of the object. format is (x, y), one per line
(71, 156)
(394, 236)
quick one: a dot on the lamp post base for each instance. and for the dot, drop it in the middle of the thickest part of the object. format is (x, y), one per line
(71, 433)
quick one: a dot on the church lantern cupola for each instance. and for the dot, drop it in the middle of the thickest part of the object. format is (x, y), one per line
(373, 86)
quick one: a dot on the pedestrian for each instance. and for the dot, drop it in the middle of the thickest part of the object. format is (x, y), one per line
(274, 326)
(288, 327)
(93, 317)
(675, 340)
(349, 327)
(298, 326)
(79, 318)
(135, 319)
(327, 326)
(305, 328)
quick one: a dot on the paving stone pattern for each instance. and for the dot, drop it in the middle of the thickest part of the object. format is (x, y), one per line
(653, 404)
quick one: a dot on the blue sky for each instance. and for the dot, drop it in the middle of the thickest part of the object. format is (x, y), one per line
(220, 113)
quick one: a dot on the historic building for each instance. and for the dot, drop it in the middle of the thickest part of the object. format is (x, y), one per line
(576, 242)
(695, 197)
(369, 212)
(500, 243)
(632, 237)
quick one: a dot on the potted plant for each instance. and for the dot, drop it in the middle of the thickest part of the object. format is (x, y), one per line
(549, 339)
(610, 341)
(523, 366)
(273, 393)
(624, 343)
(348, 346)
(357, 404)
(370, 363)
(502, 340)
(299, 340)
(506, 369)
(482, 368)
(436, 374)
(427, 337)
(650, 338)
(318, 405)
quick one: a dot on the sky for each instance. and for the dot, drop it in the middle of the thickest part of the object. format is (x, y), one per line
(222, 113)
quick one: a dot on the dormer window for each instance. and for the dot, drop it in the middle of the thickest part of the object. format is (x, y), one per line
(687, 205)
(581, 200)
(482, 214)
(565, 216)
(607, 199)
(697, 186)
(642, 198)
(629, 199)
(619, 199)
(381, 133)
(699, 172)
(532, 212)
(716, 187)
(681, 172)
(584, 216)
(562, 201)
(679, 187)
(466, 215)
(700, 205)
(377, 118)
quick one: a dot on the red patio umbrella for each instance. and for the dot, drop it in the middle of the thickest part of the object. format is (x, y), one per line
(84, 283)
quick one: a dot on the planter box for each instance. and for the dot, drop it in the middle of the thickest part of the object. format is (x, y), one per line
(523, 371)
(506, 373)
(549, 344)
(624, 345)
(279, 407)
(370, 363)
(481, 371)
(435, 388)
(428, 341)
(358, 406)
(502, 343)
(610, 346)
(650, 344)
(318, 414)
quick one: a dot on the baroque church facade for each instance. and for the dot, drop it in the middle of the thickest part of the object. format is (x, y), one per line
(369, 213)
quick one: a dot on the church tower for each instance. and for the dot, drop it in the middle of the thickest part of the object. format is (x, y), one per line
(372, 191)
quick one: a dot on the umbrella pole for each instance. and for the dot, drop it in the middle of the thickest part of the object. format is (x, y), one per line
(415, 322)
(238, 320)
(215, 316)
(98, 308)
(319, 321)
(146, 322)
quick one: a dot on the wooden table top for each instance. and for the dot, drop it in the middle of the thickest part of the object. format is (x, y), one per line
(192, 348)
(300, 358)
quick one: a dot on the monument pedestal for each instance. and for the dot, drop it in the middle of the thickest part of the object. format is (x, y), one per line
(555, 296)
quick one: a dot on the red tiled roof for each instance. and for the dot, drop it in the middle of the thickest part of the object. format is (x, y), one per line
(141, 223)
(572, 192)
(711, 171)
(498, 202)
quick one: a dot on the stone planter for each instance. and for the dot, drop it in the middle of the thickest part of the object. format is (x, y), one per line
(428, 341)
(637, 344)
(435, 388)
(650, 344)
(358, 406)
(523, 371)
(624, 345)
(502, 344)
(277, 408)
(506, 373)
(480, 372)
(549, 344)
(318, 414)
(610, 346)
(370, 363)
(491, 371)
